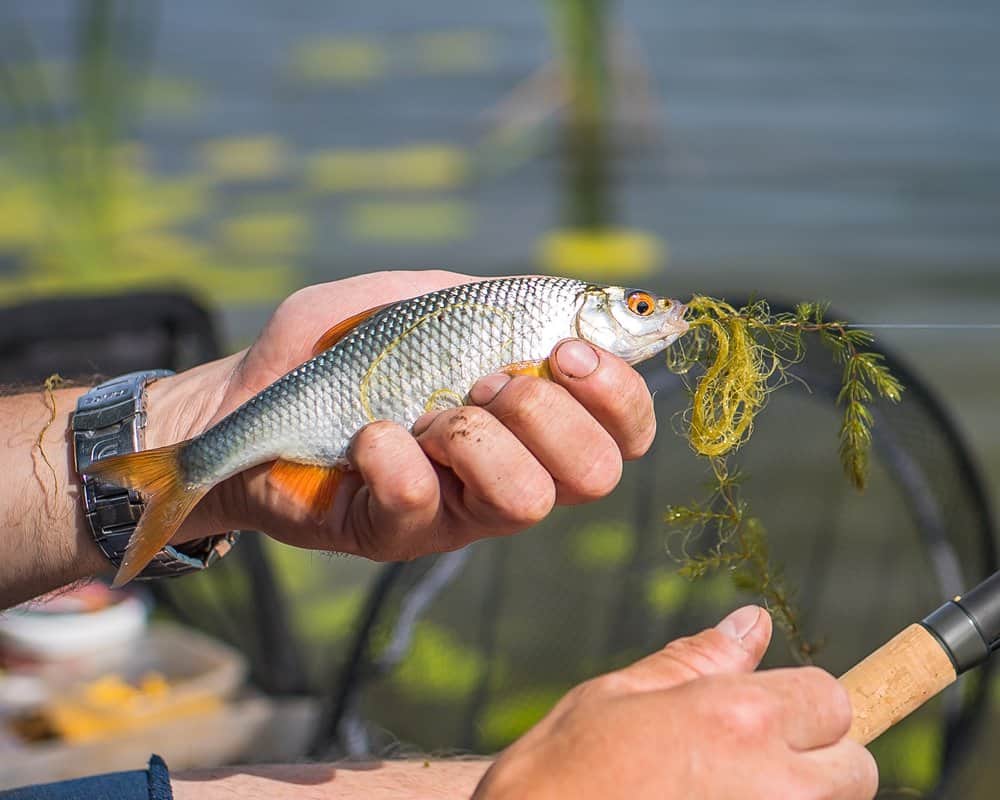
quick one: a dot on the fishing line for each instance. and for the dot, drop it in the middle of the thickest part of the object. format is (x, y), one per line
(939, 326)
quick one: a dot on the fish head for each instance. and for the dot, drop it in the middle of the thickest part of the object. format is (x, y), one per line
(631, 323)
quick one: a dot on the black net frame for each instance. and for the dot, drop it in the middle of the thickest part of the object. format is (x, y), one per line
(913, 444)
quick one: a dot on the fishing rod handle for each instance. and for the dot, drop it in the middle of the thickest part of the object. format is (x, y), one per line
(895, 680)
(919, 662)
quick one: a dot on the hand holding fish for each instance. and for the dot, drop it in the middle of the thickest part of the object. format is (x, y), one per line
(412, 429)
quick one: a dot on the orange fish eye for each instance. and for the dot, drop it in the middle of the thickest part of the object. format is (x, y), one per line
(641, 303)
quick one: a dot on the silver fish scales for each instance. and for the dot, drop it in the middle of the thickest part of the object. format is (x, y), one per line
(415, 356)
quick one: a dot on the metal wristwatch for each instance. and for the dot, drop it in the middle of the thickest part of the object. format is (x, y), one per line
(109, 420)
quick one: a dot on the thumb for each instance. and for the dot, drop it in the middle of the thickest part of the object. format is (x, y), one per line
(737, 644)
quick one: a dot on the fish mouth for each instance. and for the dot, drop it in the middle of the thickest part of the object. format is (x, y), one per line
(675, 322)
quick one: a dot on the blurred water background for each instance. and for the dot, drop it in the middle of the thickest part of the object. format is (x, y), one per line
(844, 152)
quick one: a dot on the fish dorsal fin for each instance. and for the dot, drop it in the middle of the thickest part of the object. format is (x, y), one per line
(309, 485)
(342, 328)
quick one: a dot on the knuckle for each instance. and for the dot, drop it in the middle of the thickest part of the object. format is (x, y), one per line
(371, 441)
(866, 773)
(641, 428)
(298, 299)
(627, 405)
(615, 682)
(610, 683)
(838, 701)
(465, 425)
(840, 706)
(412, 492)
(601, 475)
(642, 437)
(533, 503)
(472, 418)
(525, 402)
(706, 653)
(586, 692)
(376, 431)
(752, 712)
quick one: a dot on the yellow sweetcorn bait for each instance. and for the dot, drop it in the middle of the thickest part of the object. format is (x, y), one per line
(110, 706)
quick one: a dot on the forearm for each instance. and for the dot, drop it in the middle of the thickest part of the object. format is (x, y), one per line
(44, 540)
(383, 780)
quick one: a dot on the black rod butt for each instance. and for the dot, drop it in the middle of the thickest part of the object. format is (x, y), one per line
(968, 626)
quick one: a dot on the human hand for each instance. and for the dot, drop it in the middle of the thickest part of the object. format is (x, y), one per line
(488, 469)
(693, 721)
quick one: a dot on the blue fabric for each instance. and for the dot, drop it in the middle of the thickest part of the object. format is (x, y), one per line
(140, 784)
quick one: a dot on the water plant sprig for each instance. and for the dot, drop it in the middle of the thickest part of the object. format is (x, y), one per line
(744, 355)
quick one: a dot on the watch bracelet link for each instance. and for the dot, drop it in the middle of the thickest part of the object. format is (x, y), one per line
(109, 420)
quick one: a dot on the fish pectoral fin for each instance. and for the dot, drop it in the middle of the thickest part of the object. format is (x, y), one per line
(342, 328)
(536, 369)
(309, 485)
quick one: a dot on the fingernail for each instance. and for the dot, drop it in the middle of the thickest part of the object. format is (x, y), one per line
(423, 422)
(739, 623)
(485, 389)
(577, 359)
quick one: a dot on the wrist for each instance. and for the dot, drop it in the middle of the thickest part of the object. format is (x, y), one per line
(122, 478)
(180, 407)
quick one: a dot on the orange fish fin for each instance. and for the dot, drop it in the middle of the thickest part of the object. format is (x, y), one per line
(536, 369)
(309, 485)
(156, 475)
(342, 328)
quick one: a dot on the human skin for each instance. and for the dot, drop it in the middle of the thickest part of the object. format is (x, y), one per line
(537, 443)
(686, 722)
(690, 721)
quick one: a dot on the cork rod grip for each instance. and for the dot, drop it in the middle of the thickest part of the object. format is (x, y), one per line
(895, 680)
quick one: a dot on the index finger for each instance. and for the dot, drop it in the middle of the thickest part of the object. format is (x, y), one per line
(614, 393)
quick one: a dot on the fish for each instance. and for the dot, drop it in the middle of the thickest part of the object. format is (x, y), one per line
(393, 362)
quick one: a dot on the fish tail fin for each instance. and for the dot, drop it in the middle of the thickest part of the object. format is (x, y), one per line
(157, 475)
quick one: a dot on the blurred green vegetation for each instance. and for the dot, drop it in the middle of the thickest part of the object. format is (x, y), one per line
(87, 206)
(438, 665)
(591, 243)
(508, 717)
(603, 545)
(83, 209)
(359, 60)
(912, 753)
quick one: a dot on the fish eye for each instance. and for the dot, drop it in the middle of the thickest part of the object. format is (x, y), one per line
(640, 303)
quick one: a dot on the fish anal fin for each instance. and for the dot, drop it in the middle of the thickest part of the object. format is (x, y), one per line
(156, 475)
(342, 328)
(308, 485)
(536, 369)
